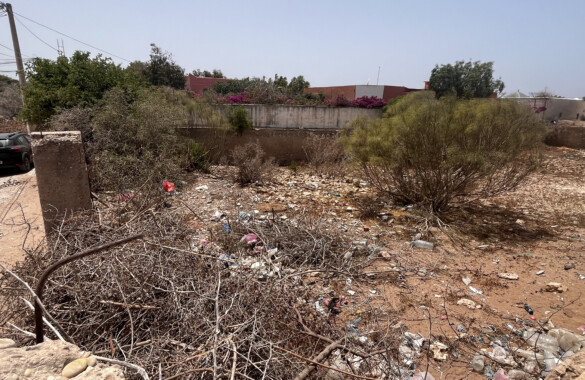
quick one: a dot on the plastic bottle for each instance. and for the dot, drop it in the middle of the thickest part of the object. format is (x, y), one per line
(423, 244)
(499, 354)
(478, 362)
(550, 362)
(531, 355)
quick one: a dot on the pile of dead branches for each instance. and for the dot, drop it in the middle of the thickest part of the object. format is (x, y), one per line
(183, 304)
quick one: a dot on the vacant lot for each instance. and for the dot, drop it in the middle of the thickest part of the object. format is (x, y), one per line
(535, 234)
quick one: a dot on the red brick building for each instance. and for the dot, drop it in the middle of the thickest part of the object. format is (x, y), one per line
(357, 91)
(197, 84)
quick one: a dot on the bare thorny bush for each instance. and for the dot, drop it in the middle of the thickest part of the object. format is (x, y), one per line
(325, 154)
(169, 304)
(252, 164)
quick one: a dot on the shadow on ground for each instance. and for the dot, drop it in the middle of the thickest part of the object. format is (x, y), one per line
(494, 223)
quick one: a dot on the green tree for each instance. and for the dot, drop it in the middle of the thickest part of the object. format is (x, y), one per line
(161, 70)
(430, 151)
(298, 84)
(238, 118)
(69, 82)
(280, 81)
(465, 80)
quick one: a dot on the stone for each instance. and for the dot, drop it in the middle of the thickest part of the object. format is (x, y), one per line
(7, 343)
(508, 276)
(540, 272)
(439, 351)
(74, 368)
(569, 266)
(556, 287)
(466, 280)
(47, 360)
(467, 302)
(91, 361)
(572, 368)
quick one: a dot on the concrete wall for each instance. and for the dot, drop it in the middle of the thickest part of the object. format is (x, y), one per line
(301, 117)
(565, 109)
(61, 175)
(284, 145)
(572, 136)
(558, 108)
(377, 91)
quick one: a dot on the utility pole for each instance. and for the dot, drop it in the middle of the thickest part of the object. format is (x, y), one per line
(8, 8)
(19, 66)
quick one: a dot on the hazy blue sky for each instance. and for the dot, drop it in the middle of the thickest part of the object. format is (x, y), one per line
(534, 44)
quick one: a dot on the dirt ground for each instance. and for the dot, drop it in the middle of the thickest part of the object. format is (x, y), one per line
(536, 232)
(20, 215)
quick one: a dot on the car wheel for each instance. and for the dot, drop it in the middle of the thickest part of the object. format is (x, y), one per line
(25, 167)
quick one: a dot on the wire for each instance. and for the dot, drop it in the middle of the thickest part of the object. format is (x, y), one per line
(6, 47)
(7, 55)
(74, 39)
(38, 38)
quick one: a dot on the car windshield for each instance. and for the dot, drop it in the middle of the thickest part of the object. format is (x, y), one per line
(4, 143)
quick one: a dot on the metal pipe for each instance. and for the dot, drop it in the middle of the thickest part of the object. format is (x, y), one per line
(55, 266)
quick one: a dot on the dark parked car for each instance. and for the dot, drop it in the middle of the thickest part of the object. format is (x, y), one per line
(15, 151)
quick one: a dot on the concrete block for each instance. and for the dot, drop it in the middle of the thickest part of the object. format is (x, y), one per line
(61, 175)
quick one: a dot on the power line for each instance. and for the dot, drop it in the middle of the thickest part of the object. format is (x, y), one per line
(38, 38)
(74, 39)
(4, 46)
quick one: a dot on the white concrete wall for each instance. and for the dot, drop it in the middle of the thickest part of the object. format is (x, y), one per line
(301, 117)
(564, 109)
(363, 90)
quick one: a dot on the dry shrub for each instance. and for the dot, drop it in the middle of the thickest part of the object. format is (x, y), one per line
(433, 152)
(252, 164)
(368, 207)
(166, 301)
(325, 154)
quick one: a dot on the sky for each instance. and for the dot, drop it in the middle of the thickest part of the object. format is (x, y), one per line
(535, 45)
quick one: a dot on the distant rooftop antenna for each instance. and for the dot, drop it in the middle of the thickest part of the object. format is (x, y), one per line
(377, 80)
(60, 48)
(368, 82)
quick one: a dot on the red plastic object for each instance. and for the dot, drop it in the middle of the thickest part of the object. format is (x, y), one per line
(168, 186)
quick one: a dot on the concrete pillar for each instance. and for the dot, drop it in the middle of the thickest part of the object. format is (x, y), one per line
(62, 176)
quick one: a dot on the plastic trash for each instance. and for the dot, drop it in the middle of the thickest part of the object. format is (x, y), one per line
(169, 187)
(422, 376)
(531, 355)
(528, 309)
(320, 308)
(226, 228)
(500, 375)
(474, 290)
(244, 216)
(249, 240)
(499, 354)
(423, 244)
(550, 362)
(478, 362)
(488, 372)
(354, 324)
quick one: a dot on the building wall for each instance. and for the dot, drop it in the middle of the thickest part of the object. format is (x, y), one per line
(300, 117)
(366, 90)
(558, 108)
(198, 84)
(333, 92)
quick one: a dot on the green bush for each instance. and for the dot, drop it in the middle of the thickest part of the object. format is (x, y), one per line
(238, 119)
(433, 152)
(134, 142)
(198, 156)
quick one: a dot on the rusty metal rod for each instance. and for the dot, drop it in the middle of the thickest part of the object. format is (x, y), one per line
(52, 268)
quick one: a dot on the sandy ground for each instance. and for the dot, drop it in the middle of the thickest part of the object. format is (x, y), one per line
(21, 223)
(538, 227)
